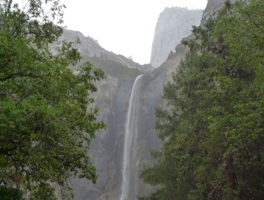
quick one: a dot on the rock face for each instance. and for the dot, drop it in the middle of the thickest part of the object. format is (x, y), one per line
(90, 47)
(107, 151)
(112, 99)
(212, 7)
(173, 25)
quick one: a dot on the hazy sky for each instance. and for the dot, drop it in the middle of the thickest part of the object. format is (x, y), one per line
(122, 26)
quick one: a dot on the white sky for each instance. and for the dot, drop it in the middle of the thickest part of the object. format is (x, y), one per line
(124, 27)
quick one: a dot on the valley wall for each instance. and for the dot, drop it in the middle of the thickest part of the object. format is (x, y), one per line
(112, 99)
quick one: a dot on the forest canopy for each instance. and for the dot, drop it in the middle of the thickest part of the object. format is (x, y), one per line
(47, 120)
(212, 130)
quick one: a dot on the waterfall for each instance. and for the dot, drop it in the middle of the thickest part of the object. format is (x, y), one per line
(130, 160)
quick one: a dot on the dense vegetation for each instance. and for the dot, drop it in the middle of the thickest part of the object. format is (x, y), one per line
(46, 124)
(213, 128)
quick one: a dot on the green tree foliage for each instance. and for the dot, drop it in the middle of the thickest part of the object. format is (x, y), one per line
(213, 129)
(46, 121)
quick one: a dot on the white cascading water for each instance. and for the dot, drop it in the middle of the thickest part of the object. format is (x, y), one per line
(130, 159)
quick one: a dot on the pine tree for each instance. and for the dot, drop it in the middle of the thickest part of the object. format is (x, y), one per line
(212, 130)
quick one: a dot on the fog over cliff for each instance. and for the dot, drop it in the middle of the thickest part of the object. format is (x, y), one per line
(173, 24)
(112, 99)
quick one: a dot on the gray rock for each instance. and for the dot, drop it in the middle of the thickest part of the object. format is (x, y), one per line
(89, 47)
(212, 7)
(112, 99)
(173, 25)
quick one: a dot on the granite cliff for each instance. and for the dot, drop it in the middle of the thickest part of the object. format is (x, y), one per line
(212, 7)
(173, 25)
(112, 99)
(90, 48)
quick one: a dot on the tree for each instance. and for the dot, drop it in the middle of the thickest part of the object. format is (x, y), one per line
(212, 130)
(47, 121)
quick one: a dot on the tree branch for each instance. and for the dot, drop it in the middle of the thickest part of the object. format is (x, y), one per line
(22, 75)
(250, 18)
(215, 187)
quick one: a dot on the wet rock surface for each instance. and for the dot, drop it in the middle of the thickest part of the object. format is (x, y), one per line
(107, 149)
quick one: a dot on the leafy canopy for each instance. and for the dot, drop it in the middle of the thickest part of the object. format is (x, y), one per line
(213, 129)
(47, 121)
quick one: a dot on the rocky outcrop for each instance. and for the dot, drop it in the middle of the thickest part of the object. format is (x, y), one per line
(212, 7)
(173, 25)
(106, 151)
(89, 47)
(112, 99)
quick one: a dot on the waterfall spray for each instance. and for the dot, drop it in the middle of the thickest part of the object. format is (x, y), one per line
(130, 159)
